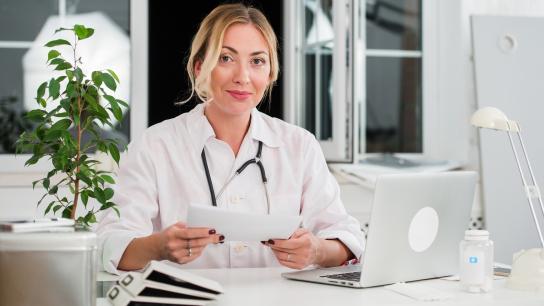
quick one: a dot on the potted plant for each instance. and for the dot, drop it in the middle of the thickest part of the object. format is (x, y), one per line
(69, 132)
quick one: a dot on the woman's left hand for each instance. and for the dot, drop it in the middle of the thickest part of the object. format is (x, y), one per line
(299, 251)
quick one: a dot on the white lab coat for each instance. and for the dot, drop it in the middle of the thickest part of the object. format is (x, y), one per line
(162, 173)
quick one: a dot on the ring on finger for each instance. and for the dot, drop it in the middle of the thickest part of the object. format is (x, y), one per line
(190, 252)
(288, 256)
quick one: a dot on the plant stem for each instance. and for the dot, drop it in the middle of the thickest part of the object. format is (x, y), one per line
(78, 156)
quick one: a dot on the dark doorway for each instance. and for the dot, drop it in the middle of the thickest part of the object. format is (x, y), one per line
(172, 25)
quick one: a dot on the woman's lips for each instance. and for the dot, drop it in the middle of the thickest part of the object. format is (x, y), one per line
(239, 95)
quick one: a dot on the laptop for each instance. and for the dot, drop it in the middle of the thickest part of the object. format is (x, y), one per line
(416, 224)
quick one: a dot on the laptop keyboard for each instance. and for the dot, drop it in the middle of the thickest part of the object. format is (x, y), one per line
(351, 276)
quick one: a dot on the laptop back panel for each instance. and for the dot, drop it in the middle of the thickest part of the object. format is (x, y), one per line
(416, 223)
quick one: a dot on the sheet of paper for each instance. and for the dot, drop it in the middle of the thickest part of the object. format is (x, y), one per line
(243, 226)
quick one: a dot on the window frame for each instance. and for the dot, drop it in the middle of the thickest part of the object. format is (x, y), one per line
(12, 167)
(355, 99)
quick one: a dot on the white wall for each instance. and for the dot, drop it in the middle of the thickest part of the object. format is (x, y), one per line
(489, 7)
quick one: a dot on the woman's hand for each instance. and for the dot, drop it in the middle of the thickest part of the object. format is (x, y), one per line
(304, 249)
(299, 251)
(182, 244)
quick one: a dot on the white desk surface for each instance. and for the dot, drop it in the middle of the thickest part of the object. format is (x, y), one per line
(265, 286)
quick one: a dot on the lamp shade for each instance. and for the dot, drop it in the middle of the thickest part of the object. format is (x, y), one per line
(493, 118)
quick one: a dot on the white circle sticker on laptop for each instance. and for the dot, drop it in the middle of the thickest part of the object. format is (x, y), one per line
(423, 229)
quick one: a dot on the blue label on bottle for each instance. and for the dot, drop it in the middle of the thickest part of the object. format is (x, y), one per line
(473, 259)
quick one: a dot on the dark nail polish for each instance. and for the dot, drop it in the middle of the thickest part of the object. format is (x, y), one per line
(221, 238)
(263, 242)
(211, 232)
(270, 241)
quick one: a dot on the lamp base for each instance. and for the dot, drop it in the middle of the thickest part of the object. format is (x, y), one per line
(527, 271)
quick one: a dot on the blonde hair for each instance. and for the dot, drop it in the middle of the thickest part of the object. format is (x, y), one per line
(207, 45)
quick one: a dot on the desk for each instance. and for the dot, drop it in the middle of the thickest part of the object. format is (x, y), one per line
(265, 287)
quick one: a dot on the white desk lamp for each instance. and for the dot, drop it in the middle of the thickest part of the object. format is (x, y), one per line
(528, 265)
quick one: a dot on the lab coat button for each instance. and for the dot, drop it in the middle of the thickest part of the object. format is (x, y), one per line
(234, 199)
(239, 248)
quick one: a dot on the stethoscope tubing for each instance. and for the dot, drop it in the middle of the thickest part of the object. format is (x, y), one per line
(256, 160)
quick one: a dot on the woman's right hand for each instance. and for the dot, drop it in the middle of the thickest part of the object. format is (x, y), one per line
(182, 244)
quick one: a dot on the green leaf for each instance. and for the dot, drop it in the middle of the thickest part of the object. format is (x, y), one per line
(71, 90)
(84, 178)
(84, 197)
(36, 115)
(61, 115)
(51, 173)
(52, 54)
(63, 66)
(57, 61)
(31, 161)
(108, 193)
(89, 98)
(70, 74)
(108, 179)
(46, 183)
(56, 208)
(113, 75)
(63, 124)
(125, 104)
(97, 78)
(67, 212)
(54, 88)
(53, 135)
(41, 90)
(53, 189)
(114, 152)
(109, 81)
(42, 102)
(49, 207)
(58, 42)
(82, 32)
(79, 74)
(92, 218)
(65, 104)
(34, 183)
(116, 110)
(61, 78)
(99, 195)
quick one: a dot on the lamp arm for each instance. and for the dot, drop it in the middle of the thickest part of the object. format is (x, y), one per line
(536, 190)
(528, 189)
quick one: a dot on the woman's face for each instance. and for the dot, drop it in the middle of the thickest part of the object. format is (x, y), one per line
(242, 73)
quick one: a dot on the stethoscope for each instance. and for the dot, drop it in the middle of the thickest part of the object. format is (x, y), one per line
(256, 160)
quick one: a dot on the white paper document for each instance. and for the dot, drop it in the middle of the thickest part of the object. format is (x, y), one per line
(243, 226)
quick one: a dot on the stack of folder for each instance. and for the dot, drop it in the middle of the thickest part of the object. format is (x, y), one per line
(161, 283)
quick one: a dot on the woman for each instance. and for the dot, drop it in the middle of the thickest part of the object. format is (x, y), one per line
(188, 159)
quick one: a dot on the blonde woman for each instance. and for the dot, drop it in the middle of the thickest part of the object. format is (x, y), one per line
(192, 159)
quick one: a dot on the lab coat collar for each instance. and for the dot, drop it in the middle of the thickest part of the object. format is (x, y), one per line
(261, 129)
(200, 129)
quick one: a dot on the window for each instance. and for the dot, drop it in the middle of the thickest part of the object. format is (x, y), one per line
(355, 73)
(21, 25)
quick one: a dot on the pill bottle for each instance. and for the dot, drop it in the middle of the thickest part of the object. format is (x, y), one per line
(476, 262)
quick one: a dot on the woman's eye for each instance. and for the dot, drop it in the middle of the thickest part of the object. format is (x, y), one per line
(225, 58)
(258, 61)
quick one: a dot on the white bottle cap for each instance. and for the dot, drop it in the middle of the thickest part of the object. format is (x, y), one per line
(476, 235)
